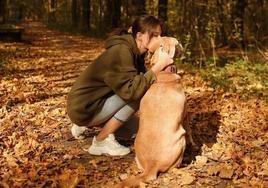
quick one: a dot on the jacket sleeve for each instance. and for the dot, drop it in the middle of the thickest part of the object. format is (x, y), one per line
(123, 78)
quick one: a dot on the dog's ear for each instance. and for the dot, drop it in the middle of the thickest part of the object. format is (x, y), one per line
(175, 47)
(179, 50)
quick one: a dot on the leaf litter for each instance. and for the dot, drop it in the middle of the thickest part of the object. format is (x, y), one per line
(37, 149)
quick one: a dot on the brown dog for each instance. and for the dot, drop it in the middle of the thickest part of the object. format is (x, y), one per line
(160, 141)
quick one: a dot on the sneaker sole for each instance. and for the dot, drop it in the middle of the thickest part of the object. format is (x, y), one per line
(104, 153)
(78, 134)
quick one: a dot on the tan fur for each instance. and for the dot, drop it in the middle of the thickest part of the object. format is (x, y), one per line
(169, 45)
(160, 141)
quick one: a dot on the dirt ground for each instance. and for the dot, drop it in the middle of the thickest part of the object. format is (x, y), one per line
(37, 149)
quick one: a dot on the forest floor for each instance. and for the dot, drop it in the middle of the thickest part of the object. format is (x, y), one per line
(37, 149)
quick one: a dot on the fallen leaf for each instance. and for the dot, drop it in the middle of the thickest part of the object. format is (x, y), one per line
(213, 170)
(226, 172)
(187, 179)
(177, 171)
(264, 166)
(123, 176)
(143, 185)
(257, 143)
(201, 160)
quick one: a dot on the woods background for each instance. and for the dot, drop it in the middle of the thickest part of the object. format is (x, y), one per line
(199, 23)
(213, 33)
(224, 68)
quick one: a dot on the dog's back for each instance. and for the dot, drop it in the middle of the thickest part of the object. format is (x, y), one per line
(161, 117)
(160, 141)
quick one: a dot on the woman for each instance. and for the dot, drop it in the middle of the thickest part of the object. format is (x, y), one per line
(108, 92)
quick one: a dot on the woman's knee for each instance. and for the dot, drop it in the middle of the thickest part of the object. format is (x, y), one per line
(113, 105)
(127, 111)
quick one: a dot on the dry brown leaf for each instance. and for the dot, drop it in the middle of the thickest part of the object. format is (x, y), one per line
(186, 179)
(226, 172)
(33, 123)
(10, 159)
(142, 185)
(123, 176)
(69, 180)
(201, 160)
(213, 170)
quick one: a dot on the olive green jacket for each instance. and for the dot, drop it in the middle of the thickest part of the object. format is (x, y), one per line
(118, 70)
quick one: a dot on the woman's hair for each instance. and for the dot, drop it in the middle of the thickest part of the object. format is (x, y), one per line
(141, 24)
(145, 23)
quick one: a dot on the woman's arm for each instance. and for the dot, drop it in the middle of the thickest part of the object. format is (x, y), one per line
(122, 76)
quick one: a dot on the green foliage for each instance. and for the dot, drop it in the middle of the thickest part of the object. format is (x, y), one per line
(216, 77)
(241, 76)
(186, 42)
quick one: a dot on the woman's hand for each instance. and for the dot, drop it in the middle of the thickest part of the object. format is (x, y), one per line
(163, 60)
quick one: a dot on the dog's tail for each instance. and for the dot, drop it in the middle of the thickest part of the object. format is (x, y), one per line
(147, 175)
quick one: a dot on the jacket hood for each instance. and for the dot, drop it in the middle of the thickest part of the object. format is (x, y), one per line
(123, 39)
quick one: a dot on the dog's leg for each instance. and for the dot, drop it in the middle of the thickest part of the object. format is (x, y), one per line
(177, 163)
(138, 163)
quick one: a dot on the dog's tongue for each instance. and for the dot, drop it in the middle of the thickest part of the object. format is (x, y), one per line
(171, 69)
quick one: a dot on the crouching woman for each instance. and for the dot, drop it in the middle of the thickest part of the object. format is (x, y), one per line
(109, 90)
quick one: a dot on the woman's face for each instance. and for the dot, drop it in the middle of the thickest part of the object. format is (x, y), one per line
(145, 43)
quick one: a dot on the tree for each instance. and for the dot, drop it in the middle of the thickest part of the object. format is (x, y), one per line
(3, 4)
(162, 9)
(75, 14)
(136, 8)
(162, 13)
(222, 19)
(238, 22)
(52, 8)
(86, 15)
(113, 14)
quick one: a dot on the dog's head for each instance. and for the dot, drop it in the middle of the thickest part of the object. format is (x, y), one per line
(169, 45)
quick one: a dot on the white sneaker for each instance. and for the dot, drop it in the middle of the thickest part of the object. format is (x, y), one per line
(77, 131)
(108, 146)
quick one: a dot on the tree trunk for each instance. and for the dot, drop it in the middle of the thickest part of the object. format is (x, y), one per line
(75, 18)
(112, 14)
(21, 9)
(52, 8)
(162, 15)
(238, 22)
(86, 15)
(3, 4)
(184, 16)
(116, 16)
(222, 18)
(162, 9)
(136, 8)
